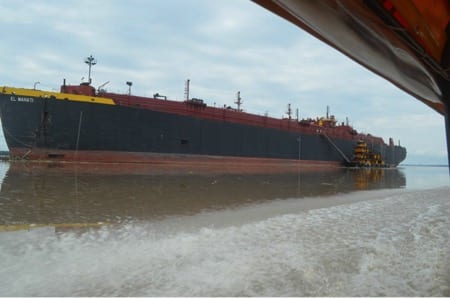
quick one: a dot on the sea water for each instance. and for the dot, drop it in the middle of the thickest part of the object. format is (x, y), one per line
(350, 233)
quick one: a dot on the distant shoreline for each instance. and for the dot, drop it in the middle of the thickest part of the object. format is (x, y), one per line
(423, 165)
(4, 155)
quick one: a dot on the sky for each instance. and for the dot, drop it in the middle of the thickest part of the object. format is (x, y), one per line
(222, 47)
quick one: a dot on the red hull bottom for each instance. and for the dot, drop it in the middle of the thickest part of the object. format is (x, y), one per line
(170, 162)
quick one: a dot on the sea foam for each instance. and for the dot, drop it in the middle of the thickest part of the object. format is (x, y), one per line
(395, 245)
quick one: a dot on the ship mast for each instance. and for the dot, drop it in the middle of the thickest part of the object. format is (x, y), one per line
(129, 86)
(289, 111)
(238, 101)
(186, 90)
(91, 61)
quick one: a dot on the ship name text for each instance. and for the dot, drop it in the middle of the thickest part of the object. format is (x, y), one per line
(22, 99)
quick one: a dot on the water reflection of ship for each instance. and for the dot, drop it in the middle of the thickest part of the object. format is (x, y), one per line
(366, 177)
(64, 196)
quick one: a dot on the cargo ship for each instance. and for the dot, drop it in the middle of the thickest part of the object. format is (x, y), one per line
(84, 124)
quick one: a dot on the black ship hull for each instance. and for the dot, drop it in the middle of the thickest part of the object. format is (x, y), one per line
(53, 129)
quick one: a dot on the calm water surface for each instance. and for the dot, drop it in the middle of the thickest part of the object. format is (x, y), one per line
(96, 230)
